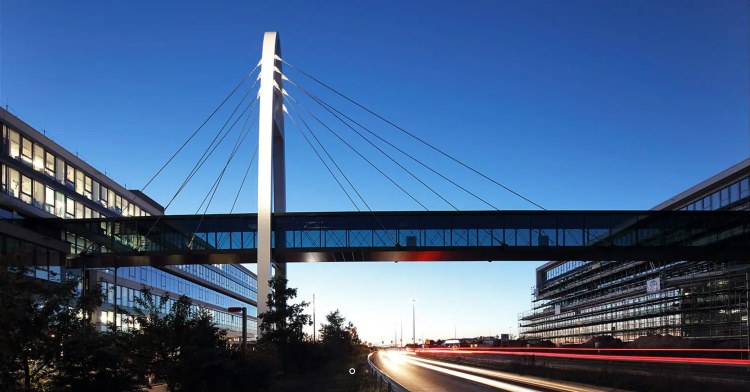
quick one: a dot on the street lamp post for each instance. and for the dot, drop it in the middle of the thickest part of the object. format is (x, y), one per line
(413, 322)
(242, 309)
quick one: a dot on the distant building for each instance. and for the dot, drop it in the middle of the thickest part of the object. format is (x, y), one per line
(42, 179)
(577, 300)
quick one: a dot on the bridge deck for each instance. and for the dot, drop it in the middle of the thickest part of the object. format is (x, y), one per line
(412, 236)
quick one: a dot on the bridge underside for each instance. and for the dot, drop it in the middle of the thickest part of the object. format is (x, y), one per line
(408, 236)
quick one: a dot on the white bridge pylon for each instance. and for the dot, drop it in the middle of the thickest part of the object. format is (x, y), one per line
(271, 169)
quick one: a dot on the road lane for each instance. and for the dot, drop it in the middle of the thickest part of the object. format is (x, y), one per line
(420, 379)
(420, 374)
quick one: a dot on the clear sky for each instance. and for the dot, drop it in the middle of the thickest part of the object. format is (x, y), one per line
(575, 104)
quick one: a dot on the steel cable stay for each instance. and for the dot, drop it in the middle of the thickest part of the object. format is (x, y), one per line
(377, 220)
(242, 184)
(221, 135)
(200, 127)
(412, 135)
(215, 187)
(325, 104)
(134, 197)
(376, 146)
(240, 138)
(358, 153)
(309, 143)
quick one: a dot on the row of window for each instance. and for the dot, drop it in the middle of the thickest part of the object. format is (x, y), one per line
(723, 197)
(126, 297)
(42, 196)
(33, 154)
(248, 290)
(153, 277)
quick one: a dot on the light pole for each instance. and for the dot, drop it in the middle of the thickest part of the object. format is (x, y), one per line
(242, 309)
(413, 322)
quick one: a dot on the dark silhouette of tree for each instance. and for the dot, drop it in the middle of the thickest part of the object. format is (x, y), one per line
(281, 328)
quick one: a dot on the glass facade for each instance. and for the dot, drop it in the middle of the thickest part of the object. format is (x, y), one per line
(577, 300)
(33, 173)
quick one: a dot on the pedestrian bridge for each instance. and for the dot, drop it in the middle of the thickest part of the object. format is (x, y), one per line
(409, 236)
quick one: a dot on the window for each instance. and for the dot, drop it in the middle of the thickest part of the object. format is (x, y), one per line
(49, 200)
(15, 144)
(79, 210)
(3, 183)
(79, 182)
(38, 158)
(26, 189)
(70, 177)
(26, 146)
(39, 194)
(59, 204)
(60, 170)
(734, 192)
(70, 208)
(14, 182)
(95, 191)
(744, 187)
(724, 197)
(87, 187)
(104, 196)
(49, 165)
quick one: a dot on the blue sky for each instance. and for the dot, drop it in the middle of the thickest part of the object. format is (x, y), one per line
(575, 104)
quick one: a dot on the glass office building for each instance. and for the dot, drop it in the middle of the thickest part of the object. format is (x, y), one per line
(42, 179)
(574, 301)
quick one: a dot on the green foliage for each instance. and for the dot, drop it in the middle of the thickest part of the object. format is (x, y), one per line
(281, 328)
(339, 338)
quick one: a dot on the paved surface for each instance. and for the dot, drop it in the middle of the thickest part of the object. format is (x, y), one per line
(419, 374)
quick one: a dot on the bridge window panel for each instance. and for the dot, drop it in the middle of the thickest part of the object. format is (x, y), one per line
(486, 237)
(409, 237)
(597, 230)
(384, 238)
(235, 240)
(15, 144)
(292, 238)
(335, 238)
(310, 238)
(570, 237)
(649, 236)
(544, 237)
(222, 240)
(518, 227)
(734, 192)
(360, 238)
(248, 239)
(433, 237)
(459, 237)
(38, 157)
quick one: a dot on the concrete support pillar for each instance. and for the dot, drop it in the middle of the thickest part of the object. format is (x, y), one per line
(271, 170)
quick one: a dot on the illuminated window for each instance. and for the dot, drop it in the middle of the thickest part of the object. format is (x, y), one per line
(26, 189)
(15, 144)
(14, 183)
(49, 165)
(79, 182)
(38, 158)
(26, 147)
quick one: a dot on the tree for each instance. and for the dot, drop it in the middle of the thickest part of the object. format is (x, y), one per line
(281, 328)
(337, 336)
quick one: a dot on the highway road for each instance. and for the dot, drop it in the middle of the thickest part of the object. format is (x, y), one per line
(420, 374)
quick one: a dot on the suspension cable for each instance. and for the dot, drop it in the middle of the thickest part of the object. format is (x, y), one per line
(375, 146)
(359, 153)
(377, 220)
(200, 127)
(242, 184)
(321, 102)
(208, 152)
(309, 143)
(426, 143)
